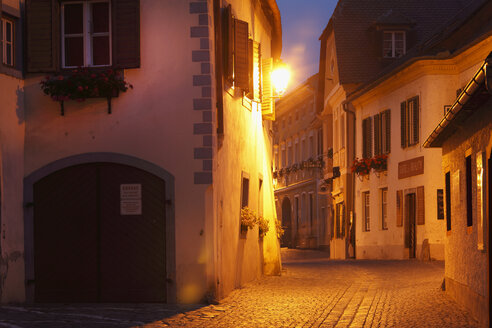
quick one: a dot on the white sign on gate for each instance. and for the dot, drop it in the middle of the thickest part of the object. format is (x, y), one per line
(131, 199)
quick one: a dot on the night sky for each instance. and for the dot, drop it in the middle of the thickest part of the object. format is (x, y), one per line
(303, 22)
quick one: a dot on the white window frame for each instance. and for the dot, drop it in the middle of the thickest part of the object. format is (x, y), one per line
(4, 41)
(86, 34)
(384, 208)
(393, 44)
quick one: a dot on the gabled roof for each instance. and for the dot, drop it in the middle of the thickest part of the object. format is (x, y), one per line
(467, 26)
(355, 23)
(394, 17)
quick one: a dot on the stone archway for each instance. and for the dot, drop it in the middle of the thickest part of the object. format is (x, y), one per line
(84, 191)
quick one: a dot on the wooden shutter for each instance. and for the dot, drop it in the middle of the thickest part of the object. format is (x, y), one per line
(267, 103)
(42, 35)
(377, 134)
(387, 131)
(1, 38)
(447, 179)
(369, 137)
(399, 208)
(343, 220)
(251, 88)
(403, 123)
(126, 33)
(254, 70)
(364, 133)
(241, 58)
(415, 120)
(420, 205)
(228, 38)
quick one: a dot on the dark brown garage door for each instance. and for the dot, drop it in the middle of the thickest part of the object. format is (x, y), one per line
(99, 235)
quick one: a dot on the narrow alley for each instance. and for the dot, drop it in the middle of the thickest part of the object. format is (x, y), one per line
(312, 291)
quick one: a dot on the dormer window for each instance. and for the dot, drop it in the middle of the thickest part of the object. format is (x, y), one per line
(393, 44)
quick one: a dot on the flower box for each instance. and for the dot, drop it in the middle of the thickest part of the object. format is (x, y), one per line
(82, 84)
(362, 166)
(379, 163)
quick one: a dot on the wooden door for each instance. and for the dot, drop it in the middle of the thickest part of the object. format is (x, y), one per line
(410, 232)
(87, 247)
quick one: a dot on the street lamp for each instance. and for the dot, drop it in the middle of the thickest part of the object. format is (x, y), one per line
(280, 78)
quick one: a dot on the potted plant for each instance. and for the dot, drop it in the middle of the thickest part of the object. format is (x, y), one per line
(279, 228)
(262, 226)
(379, 163)
(362, 166)
(82, 84)
(248, 219)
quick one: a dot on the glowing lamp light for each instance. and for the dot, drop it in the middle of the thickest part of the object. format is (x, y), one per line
(280, 79)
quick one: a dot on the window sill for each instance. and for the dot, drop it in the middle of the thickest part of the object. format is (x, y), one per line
(11, 71)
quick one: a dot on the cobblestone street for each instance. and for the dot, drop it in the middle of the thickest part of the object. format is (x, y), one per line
(312, 292)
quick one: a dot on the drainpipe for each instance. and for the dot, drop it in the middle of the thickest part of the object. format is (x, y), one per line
(348, 108)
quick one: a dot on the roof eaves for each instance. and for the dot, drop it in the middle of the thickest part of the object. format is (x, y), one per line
(471, 88)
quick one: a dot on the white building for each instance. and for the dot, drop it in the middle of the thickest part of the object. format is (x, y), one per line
(137, 197)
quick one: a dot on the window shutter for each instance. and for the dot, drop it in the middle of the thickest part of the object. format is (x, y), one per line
(251, 87)
(1, 38)
(420, 205)
(399, 208)
(403, 125)
(228, 38)
(377, 134)
(126, 33)
(369, 135)
(42, 37)
(415, 120)
(387, 118)
(256, 71)
(267, 103)
(343, 220)
(241, 62)
(364, 137)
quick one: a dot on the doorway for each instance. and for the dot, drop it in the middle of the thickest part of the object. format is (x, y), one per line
(100, 235)
(286, 240)
(410, 238)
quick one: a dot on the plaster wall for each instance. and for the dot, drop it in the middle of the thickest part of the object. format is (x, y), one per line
(244, 150)
(152, 122)
(435, 82)
(12, 127)
(466, 270)
(374, 243)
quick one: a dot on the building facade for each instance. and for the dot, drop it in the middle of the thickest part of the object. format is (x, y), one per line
(382, 32)
(12, 127)
(145, 185)
(399, 198)
(465, 135)
(298, 164)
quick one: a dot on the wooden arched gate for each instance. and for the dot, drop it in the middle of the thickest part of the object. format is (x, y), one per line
(99, 235)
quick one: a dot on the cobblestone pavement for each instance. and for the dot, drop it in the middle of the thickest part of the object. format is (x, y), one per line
(311, 292)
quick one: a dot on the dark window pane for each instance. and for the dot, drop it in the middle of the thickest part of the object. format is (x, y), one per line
(74, 51)
(8, 31)
(74, 18)
(100, 17)
(8, 60)
(100, 50)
